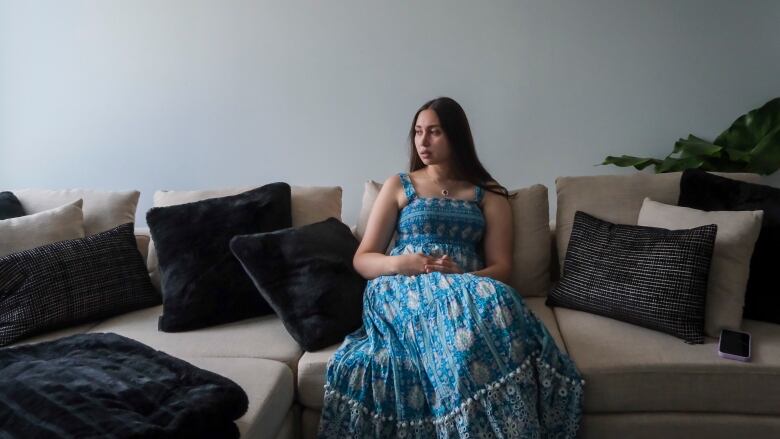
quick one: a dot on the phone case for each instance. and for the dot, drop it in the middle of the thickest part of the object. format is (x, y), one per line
(737, 357)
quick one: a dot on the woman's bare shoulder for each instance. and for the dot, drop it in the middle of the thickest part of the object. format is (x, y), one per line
(393, 181)
(494, 199)
(393, 189)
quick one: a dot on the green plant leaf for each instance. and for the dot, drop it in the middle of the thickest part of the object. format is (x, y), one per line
(765, 157)
(696, 147)
(737, 155)
(671, 164)
(749, 129)
(627, 160)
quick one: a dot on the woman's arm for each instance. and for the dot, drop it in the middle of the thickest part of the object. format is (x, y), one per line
(498, 237)
(370, 259)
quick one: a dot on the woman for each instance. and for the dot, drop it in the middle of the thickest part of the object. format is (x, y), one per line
(447, 349)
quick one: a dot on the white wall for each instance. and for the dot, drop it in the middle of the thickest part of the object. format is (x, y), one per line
(183, 94)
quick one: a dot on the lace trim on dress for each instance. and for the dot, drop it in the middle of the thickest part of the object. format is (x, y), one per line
(433, 420)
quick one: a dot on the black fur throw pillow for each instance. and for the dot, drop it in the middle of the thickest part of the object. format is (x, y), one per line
(202, 283)
(10, 207)
(306, 275)
(704, 191)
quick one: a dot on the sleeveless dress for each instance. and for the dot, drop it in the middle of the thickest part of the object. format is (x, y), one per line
(448, 355)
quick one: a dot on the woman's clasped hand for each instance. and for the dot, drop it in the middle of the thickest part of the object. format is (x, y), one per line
(420, 263)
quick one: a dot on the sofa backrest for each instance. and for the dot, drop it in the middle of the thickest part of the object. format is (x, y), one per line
(142, 240)
(614, 198)
(103, 210)
(531, 243)
(310, 204)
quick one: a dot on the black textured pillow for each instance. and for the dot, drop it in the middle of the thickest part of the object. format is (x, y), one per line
(71, 282)
(202, 283)
(704, 191)
(10, 207)
(306, 275)
(651, 277)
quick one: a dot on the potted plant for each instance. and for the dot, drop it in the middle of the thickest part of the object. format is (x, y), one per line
(750, 144)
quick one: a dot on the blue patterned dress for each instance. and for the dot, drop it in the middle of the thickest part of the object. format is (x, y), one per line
(448, 355)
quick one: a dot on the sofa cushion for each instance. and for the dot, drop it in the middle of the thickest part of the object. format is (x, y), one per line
(310, 423)
(737, 234)
(203, 284)
(311, 376)
(72, 282)
(59, 333)
(142, 239)
(312, 366)
(614, 198)
(103, 210)
(10, 206)
(628, 368)
(268, 384)
(309, 204)
(306, 275)
(37, 229)
(677, 426)
(652, 277)
(259, 337)
(531, 226)
(711, 192)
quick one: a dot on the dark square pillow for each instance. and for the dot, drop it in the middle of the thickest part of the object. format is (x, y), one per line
(71, 282)
(202, 283)
(306, 275)
(10, 207)
(704, 191)
(651, 277)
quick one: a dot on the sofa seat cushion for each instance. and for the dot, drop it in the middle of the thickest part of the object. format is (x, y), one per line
(678, 426)
(53, 335)
(267, 383)
(312, 366)
(259, 337)
(628, 369)
(311, 376)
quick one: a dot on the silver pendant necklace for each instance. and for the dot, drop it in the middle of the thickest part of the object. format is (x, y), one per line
(444, 191)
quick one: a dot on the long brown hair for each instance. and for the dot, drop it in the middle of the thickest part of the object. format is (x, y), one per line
(455, 125)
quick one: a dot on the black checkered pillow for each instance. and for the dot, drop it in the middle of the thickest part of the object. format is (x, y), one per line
(71, 282)
(651, 277)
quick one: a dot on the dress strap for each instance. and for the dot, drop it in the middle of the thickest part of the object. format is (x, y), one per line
(479, 194)
(408, 186)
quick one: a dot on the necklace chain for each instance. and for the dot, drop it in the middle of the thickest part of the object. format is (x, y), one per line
(444, 191)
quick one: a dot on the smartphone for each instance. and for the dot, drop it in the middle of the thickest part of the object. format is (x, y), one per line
(734, 345)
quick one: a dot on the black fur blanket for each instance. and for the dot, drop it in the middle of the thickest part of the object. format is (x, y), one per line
(109, 386)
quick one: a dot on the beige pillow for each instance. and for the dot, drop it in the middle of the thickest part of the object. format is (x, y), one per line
(730, 265)
(30, 231)
(103, 210)
(615, 198)
(531, 227)
(370, 192)
(309, 204)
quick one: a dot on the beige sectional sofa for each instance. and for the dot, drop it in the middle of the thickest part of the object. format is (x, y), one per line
(639, 383)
